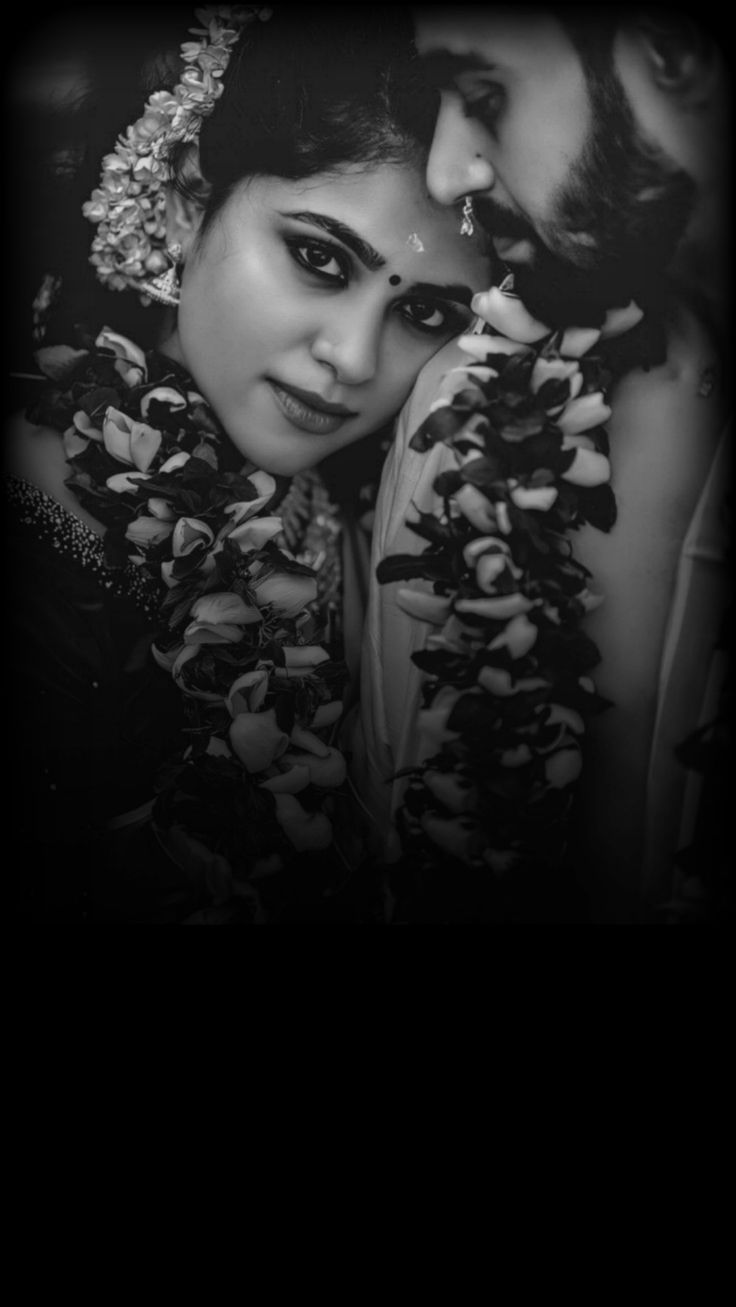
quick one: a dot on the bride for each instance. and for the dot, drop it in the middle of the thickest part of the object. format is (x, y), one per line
(265, 207)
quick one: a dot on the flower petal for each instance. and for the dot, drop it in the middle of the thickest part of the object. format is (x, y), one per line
(583, 414)
(223, 606)
(424, 606)
(305, 830)
(247, 693)
(254, 534)
(257, 739)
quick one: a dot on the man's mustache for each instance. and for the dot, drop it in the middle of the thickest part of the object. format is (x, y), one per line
(499, 221)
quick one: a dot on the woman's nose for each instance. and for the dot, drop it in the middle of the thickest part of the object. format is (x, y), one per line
(456, 165)
(349, 343)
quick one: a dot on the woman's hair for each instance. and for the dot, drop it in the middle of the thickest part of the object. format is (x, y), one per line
(310, 90)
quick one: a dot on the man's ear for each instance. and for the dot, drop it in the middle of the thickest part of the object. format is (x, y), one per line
(681, 56)
(185, 203)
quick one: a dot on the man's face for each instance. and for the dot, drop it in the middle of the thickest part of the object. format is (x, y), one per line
(578, 202)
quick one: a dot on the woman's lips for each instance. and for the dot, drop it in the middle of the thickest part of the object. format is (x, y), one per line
(307, 411)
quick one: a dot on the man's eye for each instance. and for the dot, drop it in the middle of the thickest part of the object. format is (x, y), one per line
(484, 103)
(318, 257)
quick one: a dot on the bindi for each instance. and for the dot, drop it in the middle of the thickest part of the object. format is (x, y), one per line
(394, 279)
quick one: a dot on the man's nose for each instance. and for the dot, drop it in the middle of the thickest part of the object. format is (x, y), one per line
(348, 343)
(456, 164)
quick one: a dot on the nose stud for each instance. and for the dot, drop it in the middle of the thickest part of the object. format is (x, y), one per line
(466, 226)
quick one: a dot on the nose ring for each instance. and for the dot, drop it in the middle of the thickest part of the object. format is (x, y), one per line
(466, 226)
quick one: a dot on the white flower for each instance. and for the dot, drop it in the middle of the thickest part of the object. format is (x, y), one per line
(328, 771)
(144, 531)
(556, 369)
(207, 633)
(160, 508)
(257, 739)
(576, 341)
(518, 636)
(433, 720)
(254, 534)
(540, 498)
(302, 658)
(175, 461)
(327, 714)
(305, 830)
(190, 532)
(286, 592)
(247, 693)
(128, 481)
(618, 321)
(451, 790)
(583, 414)
(128, 441)
(588, 468)
(499, 607)
(478, 509)
(292, 781)
(424, 606)
(121, 347)
(164, 395)
(563, 767)
(223, 606)
(457, 836)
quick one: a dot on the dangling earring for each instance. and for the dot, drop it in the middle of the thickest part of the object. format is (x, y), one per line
(466, 226)
(166, 288)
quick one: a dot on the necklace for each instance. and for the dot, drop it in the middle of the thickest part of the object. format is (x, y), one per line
(239, 609)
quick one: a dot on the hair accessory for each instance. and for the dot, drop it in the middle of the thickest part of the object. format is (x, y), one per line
(166, 288)
(129, 205)
(466, 226)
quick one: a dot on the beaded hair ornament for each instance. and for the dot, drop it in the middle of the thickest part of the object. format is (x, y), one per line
(130, 248)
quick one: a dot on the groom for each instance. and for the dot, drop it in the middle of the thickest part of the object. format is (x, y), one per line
(595, 149)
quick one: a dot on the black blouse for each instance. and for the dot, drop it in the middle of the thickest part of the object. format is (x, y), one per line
(93, 718)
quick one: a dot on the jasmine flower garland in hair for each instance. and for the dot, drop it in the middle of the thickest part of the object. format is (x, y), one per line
(239, 625)
(508, 687)
(129, 205)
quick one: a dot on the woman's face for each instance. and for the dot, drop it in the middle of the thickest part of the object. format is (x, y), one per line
(308, 308)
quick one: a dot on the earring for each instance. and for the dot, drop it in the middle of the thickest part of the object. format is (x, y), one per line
(166, 288)
(466, 226)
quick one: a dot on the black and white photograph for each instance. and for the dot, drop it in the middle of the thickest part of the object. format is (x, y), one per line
(367, 466)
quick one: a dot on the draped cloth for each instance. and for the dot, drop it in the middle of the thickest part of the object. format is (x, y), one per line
(388, 738)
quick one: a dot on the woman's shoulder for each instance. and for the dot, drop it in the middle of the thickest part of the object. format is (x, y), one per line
(35, 454)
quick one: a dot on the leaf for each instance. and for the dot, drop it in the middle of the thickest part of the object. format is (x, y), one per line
(597, 505)
(60, 362)
(447, 483)
(406, 567)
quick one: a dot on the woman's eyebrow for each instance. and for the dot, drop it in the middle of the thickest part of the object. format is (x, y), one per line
(451, 290)
(369, 257)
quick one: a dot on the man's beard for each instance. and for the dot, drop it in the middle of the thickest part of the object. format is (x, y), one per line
(626, 195)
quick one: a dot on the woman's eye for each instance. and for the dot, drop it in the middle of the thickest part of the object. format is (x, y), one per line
(319, 258)
(432, 317)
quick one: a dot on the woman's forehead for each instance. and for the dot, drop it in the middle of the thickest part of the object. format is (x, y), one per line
(388, 209)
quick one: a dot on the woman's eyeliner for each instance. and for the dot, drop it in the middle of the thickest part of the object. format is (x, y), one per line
(453, 320)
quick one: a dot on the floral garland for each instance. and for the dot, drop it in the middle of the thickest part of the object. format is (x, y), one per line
(240, 627)
(129, 205)
(508, 689)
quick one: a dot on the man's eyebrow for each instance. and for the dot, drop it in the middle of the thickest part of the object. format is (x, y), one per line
(369, 257)
(442, 67)
(453, 290)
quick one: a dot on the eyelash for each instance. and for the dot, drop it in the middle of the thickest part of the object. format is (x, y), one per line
(454, 320)
(485, 105)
